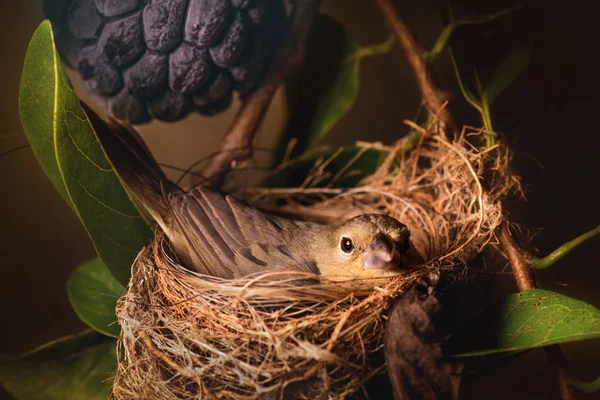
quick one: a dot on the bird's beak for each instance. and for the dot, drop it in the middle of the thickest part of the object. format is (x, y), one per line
(380, 253)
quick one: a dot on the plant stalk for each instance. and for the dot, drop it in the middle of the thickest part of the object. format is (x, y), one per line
(556, 255)
(237, 142)
(519, 262)
(433, 97)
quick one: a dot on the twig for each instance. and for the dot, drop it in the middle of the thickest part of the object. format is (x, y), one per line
(248, 119)
(433, 96)
(519, 262)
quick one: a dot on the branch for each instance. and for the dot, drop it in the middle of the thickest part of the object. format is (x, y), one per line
(237, 142)
(518, 258)
(433, 97)
(519, 262)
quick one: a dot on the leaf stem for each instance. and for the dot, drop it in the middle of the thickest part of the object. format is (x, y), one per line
(374, 50)
(587, 387)
(563, 250)
(486, 117)
(441, 43)
(469, 97)
(487, 122)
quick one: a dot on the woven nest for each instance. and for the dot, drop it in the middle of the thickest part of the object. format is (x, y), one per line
(187, 336)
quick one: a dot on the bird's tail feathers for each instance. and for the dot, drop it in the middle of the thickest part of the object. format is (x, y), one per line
(135, 165)
(170, 206)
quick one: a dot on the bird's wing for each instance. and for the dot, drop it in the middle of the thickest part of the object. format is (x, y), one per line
(208, 230)
(230, 239)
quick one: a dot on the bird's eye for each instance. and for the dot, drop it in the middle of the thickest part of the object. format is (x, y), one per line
(346, 245)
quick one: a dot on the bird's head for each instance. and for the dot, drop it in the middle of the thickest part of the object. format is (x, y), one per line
(366, 246)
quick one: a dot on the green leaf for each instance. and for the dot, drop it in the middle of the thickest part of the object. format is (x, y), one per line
(37, 102)
(343, 92)
(93, 293)
(69, 151)
(508, 71)
(533, 318)
(339, 95)
(78, 367)
(346, 165)
(328, 84)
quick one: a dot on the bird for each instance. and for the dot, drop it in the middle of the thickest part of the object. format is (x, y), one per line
(228, 238)
(216, 234)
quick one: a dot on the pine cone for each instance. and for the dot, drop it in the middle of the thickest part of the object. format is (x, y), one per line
(164, 58)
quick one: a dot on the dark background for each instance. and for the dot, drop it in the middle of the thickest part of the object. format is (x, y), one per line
(549, 114)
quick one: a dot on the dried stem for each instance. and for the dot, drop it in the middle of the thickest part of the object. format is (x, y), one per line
(237, 143)
(519, 262)
(433, 97)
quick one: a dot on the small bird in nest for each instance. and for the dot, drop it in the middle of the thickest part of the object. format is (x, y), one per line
(222, 236)
(216, 234)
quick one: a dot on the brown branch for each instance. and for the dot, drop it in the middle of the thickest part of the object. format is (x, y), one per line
(236, 145)
(237, 142)
(518, 258)
(519, 262)
(433, 97)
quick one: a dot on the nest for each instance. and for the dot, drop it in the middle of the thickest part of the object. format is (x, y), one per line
(188, 336)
